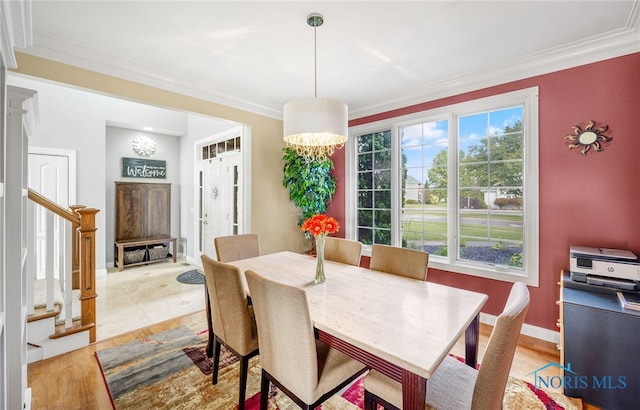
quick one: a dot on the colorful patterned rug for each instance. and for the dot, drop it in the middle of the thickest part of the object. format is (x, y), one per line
(170, 370)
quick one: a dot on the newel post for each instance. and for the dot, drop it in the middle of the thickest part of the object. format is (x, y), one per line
(87, 259)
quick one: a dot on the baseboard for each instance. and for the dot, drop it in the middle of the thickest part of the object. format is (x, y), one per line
(541, 333)
(192, 260)
(27, 399)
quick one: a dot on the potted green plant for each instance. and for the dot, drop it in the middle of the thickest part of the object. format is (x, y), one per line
(310, 183)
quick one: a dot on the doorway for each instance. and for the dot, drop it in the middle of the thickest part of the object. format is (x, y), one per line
(51, 173)
(221, 195)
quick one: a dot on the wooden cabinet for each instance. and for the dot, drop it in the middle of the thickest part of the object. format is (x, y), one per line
(600, 346)
(143, 222)
(143, 210)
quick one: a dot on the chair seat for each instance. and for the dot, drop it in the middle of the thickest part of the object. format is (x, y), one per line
(333, 367)
(450, 387)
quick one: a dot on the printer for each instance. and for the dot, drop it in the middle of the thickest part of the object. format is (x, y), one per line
(614, 268)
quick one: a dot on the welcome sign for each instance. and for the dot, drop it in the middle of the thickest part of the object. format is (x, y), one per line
(143, 168)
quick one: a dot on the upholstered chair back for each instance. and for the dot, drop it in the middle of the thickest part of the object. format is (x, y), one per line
(235, 247)
(399, 261)
(342, 250)
(232, 317)
(287, 342)
(496, 362)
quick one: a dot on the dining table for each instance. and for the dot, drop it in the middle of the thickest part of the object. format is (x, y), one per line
(399, 326)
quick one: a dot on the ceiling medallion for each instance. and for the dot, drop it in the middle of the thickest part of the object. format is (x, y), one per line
(144, 146)
(588, 138)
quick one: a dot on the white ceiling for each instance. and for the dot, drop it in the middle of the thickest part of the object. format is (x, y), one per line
(375, 56)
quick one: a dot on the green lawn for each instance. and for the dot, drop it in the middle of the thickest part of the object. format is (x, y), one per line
(432, 230)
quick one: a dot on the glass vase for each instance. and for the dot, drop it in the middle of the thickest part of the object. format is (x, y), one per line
(320, 278)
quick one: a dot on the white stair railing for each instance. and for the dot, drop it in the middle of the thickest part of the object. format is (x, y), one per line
(31, 262)
(64, 264)
(50, 248)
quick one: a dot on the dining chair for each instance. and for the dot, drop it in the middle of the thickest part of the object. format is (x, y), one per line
(233, 247)
(233, 319)
(228, 249)
(305, 369)
(412, 263)
(454, 385)
(342, 250)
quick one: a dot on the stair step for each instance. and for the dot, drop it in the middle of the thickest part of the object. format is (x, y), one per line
(58, 346)
(40, 299)
(42, 313)
(34, 353)
(76, 327)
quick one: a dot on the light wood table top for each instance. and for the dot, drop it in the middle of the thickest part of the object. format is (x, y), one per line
(409, 323)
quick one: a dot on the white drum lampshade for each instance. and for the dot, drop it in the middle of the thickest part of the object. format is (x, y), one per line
(314, 127)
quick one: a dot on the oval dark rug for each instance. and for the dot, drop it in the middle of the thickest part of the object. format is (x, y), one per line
(191, 277)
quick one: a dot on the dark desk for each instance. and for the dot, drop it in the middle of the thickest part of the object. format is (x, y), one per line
(602, 344)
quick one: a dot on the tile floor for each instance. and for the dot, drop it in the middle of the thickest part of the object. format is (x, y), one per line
(142, 295)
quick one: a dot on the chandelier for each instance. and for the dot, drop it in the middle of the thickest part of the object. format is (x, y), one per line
(315, 127)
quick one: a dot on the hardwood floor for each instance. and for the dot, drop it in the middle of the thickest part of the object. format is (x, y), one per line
(82, 387)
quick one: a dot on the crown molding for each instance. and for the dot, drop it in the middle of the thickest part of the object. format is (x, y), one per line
(15, 29)
(48, 48)
(616, 43)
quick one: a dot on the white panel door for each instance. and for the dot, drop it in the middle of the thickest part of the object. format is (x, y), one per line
(49, 176)
(217, 201)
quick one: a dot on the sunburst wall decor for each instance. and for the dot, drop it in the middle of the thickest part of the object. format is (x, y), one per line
(143, 146)
(591, 137)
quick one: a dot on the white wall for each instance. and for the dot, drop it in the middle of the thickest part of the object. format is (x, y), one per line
(74, 119)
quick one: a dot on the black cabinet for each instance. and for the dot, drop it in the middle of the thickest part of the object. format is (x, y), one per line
(601, 346)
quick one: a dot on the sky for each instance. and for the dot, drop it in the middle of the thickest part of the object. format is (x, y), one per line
(421, 142)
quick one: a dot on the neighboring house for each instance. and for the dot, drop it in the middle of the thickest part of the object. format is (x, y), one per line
(413, 189)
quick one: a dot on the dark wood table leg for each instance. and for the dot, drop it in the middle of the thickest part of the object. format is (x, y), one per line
(414, 391)
(471, 338)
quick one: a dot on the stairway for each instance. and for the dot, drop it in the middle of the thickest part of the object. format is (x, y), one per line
(46, 333)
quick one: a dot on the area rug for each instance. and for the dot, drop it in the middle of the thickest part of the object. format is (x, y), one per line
(169, 370)
(191, 277)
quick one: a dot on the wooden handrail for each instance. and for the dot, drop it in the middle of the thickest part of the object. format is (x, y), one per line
(83, 256)
(53, 207)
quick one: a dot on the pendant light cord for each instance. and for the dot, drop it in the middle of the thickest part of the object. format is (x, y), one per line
(315, 62)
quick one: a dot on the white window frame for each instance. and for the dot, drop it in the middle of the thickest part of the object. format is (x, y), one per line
(528, 98)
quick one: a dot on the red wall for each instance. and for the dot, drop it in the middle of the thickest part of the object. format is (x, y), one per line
(591, 200)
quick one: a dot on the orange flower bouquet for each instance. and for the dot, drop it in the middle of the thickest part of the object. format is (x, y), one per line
(320, 226)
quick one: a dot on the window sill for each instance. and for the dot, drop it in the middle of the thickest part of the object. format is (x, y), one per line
(502, 273)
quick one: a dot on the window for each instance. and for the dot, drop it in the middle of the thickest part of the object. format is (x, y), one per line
(460, 182)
